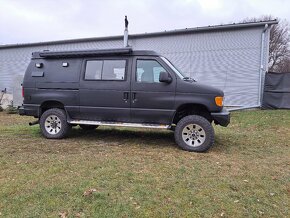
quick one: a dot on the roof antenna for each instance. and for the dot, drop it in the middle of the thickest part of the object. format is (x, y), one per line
(126, 32)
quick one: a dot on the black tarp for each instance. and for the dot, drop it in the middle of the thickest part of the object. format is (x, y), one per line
(276, 91)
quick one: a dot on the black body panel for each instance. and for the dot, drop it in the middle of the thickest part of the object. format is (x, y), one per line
(190, 92)
(58, 84)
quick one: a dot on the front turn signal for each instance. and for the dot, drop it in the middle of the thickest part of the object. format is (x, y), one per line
(219, 101)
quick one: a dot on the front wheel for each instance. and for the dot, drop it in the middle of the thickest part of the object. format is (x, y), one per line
(194, 133)
(53, 124)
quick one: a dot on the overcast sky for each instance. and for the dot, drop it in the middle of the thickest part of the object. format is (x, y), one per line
(23, 21)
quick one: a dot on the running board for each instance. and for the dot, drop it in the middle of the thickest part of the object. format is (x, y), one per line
(100, 123)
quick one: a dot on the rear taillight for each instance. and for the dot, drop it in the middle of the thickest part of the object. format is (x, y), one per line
(22, 92)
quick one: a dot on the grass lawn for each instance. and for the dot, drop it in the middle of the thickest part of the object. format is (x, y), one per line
(141, 173)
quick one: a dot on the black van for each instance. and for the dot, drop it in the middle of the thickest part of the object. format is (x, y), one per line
(120, 87)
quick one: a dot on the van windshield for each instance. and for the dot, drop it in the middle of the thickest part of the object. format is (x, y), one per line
(178, 73)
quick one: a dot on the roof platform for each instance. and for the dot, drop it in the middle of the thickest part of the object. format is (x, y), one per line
(92, 53)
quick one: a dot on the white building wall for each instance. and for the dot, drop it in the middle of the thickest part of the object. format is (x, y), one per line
(228, 59)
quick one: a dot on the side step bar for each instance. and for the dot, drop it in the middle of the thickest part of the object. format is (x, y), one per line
(100, 123)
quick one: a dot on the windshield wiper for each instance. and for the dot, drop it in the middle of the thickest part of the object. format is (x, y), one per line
(189, 79)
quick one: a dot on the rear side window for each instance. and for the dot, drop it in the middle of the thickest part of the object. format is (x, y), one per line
(105, 70)
(94, 70)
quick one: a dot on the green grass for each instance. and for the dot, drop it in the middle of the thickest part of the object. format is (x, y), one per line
(141, 173)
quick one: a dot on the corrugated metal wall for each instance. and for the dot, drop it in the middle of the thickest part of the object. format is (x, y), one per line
(229, 60)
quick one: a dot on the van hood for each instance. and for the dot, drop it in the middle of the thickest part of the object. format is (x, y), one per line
(196, 87)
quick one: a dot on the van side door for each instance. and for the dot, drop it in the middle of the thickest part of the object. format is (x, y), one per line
(105, 89)
(152, 101)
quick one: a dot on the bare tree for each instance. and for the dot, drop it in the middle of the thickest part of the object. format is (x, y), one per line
(279, 48)
(284, 66)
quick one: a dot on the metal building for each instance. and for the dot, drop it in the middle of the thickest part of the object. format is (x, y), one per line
(232, 57)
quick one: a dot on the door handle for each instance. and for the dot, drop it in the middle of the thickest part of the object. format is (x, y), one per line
(134, 99)
(126, 96)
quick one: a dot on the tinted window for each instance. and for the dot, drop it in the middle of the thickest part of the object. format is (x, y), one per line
(114, 70)
(93, 70)
(148, 71)
(105, 70)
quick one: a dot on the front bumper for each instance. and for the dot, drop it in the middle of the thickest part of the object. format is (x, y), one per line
(221, 118)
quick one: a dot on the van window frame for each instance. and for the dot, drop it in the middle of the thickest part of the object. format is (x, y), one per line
(105, 59)
(148, 59)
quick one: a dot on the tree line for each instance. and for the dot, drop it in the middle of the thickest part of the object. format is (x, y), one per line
(279, 47)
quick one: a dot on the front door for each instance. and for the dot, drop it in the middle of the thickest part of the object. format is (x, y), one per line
(105, 89)
(151, 101)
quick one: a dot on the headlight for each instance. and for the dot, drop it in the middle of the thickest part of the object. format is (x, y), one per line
(219, 101)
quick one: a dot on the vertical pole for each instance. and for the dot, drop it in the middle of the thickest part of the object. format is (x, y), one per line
(262, 62)
(126, 38)
(126, 32)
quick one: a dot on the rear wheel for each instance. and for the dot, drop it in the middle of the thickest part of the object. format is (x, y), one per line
(88, 127)
(53, 124)
(194, 133)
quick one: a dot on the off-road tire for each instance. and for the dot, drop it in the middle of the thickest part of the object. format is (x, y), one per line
(88, 127)
(181, 133)
(63, 128)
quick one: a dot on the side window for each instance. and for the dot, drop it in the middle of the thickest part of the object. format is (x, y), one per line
(105, 70)
(114, 70)
(148, 71)
(94, 70)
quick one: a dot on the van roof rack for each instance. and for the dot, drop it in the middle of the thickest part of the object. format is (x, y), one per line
(92, 53)
(82, 53)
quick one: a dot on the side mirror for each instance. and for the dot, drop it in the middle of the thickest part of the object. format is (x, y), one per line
(165, 77)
